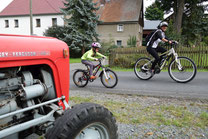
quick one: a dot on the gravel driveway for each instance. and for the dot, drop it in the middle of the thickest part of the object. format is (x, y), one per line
(151, 130)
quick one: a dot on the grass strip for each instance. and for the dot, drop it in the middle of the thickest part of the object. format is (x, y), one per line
(75, 60)
(134, 113)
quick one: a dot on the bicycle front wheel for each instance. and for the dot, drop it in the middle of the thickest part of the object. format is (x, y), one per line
(142, 68)
(183, 70)
(109, 79)
(80, 78)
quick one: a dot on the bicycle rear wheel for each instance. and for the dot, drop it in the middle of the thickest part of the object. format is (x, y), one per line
(142, 68)
(80, 78)
(183, 70)
(109, 80)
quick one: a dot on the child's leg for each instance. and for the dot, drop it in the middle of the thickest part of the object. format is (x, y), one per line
(90, 64)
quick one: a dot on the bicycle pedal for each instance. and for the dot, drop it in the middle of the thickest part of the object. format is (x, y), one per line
(91, 80)
(157, 71)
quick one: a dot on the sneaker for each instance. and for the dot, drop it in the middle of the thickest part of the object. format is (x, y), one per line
(93, 77)
(152, 71)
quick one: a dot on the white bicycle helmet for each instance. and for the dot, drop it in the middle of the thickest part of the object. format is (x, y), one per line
(162, 24)
(96, 45)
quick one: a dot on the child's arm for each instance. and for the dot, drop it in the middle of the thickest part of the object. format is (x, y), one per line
(100, 55)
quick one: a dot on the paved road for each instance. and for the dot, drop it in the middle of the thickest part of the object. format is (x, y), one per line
(159, 85)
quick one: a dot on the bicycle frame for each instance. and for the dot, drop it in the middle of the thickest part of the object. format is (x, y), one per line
(98, 66)
(168, 54)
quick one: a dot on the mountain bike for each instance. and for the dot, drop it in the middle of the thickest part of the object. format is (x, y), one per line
(108, 77)
(181, 69)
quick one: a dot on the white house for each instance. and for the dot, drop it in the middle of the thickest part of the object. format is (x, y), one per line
(15, 18)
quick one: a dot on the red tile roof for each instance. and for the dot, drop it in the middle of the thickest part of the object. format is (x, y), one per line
(120, 10)
(112, 11)
(21, 7)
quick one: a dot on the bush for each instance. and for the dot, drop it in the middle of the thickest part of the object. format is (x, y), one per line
(125, 61)
(107, 47)
(60, 32)
(56, 32)
(206, 40)
(132, 41)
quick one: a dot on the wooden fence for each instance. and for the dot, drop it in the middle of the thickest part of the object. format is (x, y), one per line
(128, 56)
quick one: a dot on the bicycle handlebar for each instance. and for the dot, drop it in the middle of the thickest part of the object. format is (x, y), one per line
(100, 59)
(174, 43)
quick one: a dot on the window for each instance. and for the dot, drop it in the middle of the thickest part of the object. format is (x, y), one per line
(54, 22)
(6, 23)
(120, 28)
(119, 42)
(38, 23)
(16, 23)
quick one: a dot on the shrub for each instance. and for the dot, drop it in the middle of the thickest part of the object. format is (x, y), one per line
(60, 32)
(107, 47)
(125, 61)
(206, 40)
(132, 41)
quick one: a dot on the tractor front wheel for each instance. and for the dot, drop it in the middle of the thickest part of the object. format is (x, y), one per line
(84, 121)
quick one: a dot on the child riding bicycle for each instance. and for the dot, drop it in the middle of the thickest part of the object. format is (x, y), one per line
(152, 45)
(92, 55)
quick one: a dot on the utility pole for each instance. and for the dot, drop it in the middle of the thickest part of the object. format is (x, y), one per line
(31, 19)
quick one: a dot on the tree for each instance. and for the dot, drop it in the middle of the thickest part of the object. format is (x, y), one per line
(81, 26)
(178, 8)
(60, 32)
(195, 27)
(188, 18)
(154, 13)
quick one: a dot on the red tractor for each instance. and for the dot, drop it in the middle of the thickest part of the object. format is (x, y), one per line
(34, 93)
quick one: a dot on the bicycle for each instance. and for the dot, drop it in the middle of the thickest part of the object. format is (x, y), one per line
(181, 69)
(108, 77)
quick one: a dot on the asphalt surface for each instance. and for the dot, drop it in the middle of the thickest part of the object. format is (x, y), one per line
(160, 85)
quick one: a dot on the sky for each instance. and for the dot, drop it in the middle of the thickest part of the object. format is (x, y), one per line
(4, 3)
(148, 3)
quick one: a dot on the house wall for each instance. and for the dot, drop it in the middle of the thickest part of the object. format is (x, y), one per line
(109, 33)
(24, 24)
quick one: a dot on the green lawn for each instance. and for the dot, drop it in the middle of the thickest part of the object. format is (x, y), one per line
(75, 60)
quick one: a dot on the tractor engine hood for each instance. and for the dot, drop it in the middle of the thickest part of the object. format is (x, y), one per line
(19, 47)
(24, 51)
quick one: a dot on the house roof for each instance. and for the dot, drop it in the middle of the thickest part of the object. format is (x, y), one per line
(151, 24)
(119, 10)
(21, 7)
(110, 10)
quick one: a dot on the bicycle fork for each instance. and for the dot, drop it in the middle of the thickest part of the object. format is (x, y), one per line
(177, 60)
(106, 74)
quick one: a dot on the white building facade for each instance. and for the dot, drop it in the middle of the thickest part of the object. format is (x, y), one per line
(20, 25)
(15, 17)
